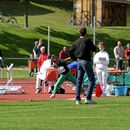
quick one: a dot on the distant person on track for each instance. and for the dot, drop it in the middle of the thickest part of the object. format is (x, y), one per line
(31, 65)
(81, 51)
(101, 59)
(1, 60)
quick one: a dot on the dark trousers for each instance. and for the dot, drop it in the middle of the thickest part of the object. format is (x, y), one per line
(85, 67)
(1, 63)
(119, 64)
(129, 60)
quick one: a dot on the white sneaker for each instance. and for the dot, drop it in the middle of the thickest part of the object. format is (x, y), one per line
(74, 88)
(103, 95)
(78, 102)
(52, 96)
(38, 90)
(90, 102)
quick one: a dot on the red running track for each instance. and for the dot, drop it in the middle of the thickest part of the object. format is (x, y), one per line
(28, 85)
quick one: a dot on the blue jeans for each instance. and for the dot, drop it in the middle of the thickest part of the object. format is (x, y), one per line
(85, 67)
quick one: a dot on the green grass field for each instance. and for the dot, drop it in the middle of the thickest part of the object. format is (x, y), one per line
(108, 114)
(17, 41)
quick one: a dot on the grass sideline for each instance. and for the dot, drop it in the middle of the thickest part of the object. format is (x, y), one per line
(18, 73)
(108, 113)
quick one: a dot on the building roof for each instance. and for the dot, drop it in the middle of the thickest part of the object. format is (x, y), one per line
(118, 1)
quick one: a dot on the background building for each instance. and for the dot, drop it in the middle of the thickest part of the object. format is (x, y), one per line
(107, 12)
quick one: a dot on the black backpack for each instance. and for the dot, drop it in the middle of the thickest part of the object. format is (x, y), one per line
(59, 91)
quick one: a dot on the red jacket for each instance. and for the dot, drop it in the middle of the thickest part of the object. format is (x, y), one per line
(127, 50)
(63, 55)
(41, 59)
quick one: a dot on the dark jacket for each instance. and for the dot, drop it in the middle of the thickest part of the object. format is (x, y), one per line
(63, 65)
(81, 49)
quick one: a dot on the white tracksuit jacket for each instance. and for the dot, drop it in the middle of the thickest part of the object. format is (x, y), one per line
(41, 75)
(101, 59)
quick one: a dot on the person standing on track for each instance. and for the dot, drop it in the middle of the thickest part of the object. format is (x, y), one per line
(81, 50)
(101, 59)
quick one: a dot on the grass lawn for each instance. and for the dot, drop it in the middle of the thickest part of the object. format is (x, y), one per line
(17, 73)
(108, 114)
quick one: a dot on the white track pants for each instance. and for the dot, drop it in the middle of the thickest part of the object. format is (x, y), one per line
(40, 77)
(102, 79)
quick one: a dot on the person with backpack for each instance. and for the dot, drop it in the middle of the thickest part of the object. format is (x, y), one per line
(64, 74)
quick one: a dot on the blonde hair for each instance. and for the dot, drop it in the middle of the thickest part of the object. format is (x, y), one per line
(36, 42)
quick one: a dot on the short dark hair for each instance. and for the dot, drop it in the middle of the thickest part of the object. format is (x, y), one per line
(49, 57)
(82, 31)
(101, 43)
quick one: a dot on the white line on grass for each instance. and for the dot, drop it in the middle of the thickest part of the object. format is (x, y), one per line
(82, 117)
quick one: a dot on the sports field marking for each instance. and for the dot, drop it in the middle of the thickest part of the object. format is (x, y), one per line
(84, 106)
(84, 117)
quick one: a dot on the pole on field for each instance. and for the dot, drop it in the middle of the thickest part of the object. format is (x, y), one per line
(94, 30)
(48, 51)
(26, 13)
(94, 36)
(92, 13)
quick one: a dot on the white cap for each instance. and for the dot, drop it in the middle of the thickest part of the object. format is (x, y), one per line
(42, 47)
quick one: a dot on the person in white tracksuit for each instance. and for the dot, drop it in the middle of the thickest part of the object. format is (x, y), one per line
(41, 75)
(101, 59)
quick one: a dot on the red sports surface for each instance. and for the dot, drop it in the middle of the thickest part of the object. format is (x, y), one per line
(28, 85)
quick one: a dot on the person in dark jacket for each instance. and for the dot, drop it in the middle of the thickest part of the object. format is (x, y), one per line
(81, 50)
(1, 60)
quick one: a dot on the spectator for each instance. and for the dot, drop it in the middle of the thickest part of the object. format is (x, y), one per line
(31, 65)
(35, 53)
(101, 59)
(63, 53)
(42, 57)
(127, 54)
(119, 55)
(40, 44)
(42, 73)
(1, 60)
(35, 50)
(81, 50)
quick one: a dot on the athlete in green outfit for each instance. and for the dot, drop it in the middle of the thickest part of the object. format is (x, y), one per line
(64, 75)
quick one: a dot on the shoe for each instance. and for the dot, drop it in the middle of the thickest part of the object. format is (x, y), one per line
(78, 102)
(103, 95)
(49, 90)
(52, 96)
(74, 88)
(90, 102)
(46, 84)
(38, 90)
